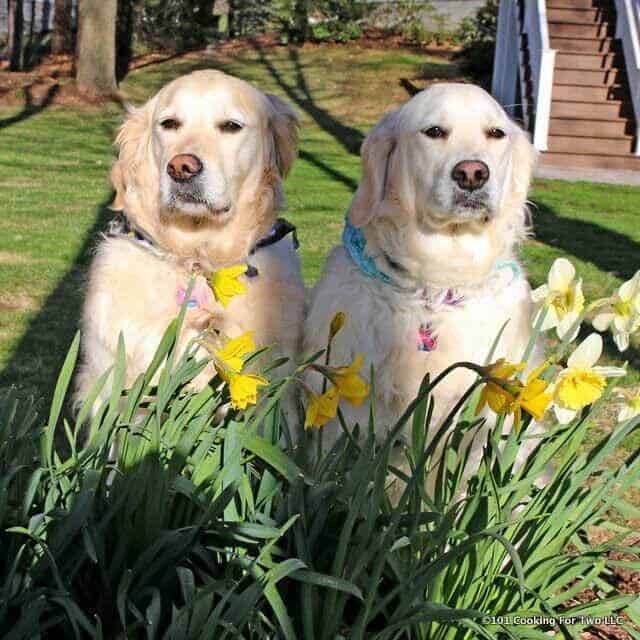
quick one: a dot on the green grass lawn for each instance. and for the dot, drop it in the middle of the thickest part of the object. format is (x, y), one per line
(54, 166)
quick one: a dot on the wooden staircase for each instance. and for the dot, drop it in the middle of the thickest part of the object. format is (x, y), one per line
(592, 122)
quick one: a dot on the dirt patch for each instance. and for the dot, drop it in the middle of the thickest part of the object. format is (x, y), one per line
(371, 39)
(37, 85)
(16, 302)
(625, 582)
(10, 257)
(51, 82)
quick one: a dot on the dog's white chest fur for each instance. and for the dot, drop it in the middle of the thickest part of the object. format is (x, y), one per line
(405, 336)
(133, 292)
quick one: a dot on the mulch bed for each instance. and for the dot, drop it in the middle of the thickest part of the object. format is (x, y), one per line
(51, 82)
(625, 581)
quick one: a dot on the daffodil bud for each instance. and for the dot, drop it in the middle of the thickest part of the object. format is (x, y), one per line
(337, 323)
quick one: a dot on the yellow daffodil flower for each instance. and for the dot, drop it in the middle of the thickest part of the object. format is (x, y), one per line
(233, 352)
(321, 408)
(623, 314)
(631, 407)
(226, 285)
(534, 397)
(350, 384)
(346, 383)
(562, 298)
(496, 396)
(513, 397)
(503, 370)
(243, 387)
(582, 382)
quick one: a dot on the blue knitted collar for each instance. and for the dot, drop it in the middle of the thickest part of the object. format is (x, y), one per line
(356, 244)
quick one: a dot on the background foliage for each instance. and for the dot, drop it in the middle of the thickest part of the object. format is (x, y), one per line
(185, 24)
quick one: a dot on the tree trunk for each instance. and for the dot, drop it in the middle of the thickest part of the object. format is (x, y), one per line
(300, 21)
(15, 28)
(124, 38)
(96, 49)
(62, 36)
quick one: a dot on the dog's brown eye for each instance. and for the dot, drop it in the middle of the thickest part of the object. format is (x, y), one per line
(496, 133)
(230, 126)
(170, 123)
(435, 132)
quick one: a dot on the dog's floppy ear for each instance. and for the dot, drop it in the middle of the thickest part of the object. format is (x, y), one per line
(133, 141)
(119, 186)
(284, 124)
(523, 160)
(376, 155)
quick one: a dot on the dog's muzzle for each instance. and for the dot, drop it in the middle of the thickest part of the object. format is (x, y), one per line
(187, 189)
(471, 201)
(470, 175)
(184, 168)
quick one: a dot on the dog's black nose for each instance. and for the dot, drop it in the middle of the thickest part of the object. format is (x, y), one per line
(184, 167)
(470, 174)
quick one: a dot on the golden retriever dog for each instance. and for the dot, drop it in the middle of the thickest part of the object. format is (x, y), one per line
(199, 185)
(427, 272)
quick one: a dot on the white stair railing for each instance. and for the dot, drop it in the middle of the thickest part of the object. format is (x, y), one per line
(542, 61)
(505, 72)
(628, 30)
(509, 48)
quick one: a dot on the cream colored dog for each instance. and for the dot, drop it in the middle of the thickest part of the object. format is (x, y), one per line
(428, 273)
(199, 182)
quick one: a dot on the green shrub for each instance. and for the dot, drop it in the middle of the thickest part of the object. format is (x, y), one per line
(415, 30)
(335, 31)
(407, 17)
(478, 36)
(318, 20)
(170, 518)
(483, 26)
(176, 25)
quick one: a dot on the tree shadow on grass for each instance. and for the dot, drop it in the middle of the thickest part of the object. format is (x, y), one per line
(410, 87)
(609, 250)
(328, 169)
(349, 137)
(35, 363)
(30, 107)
